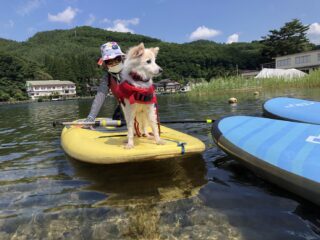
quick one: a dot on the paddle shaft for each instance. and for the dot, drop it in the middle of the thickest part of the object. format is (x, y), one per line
(188, 121)
(102, 123)
(120, 123)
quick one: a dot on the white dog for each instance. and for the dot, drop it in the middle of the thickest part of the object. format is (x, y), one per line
(137, 92)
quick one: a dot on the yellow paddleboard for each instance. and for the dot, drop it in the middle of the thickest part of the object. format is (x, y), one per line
(106, 146)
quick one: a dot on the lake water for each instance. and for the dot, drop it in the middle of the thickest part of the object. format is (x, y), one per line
(46, 195)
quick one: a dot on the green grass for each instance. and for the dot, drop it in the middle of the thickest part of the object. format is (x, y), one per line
(311, 80)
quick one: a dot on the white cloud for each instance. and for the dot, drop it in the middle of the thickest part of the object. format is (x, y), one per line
(28, 7)
(105, 20)
(65, 17)
(314, 29)
(233, 38)
(314, 33)
(9, 24)
(90, 20)
(121, 25)
(203, 32)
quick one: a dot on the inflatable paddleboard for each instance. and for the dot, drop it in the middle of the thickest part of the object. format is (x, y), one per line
(285, 153)
(105, 145)
(292, 109)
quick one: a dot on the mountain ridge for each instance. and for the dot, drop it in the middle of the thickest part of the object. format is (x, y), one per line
(72, 55)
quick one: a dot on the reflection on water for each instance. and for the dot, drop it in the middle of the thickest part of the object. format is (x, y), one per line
(46, 195)
(144, 182)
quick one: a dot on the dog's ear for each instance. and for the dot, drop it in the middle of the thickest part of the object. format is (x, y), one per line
(155, 50)
(136, 51)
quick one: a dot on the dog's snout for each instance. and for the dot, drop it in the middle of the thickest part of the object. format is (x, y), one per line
(160, 70)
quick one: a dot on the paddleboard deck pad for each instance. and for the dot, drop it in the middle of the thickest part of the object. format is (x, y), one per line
(105, 145)
(292, 109)
(285, 153)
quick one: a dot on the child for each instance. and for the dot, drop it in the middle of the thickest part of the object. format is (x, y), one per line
(112, 62)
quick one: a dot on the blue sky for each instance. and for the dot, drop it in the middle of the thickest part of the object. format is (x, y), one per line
(179, 21)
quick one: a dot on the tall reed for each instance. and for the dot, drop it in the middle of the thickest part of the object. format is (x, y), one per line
(311, 80)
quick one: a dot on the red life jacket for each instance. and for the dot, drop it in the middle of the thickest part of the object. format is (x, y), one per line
(137, 94)
(134, 94)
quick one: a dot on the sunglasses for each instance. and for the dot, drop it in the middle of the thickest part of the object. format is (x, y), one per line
(112, 62)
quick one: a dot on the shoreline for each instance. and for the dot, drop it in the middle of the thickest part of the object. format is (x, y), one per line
(190, 93)
(44, 100)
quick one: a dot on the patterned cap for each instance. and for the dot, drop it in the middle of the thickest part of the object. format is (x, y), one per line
(110, 50)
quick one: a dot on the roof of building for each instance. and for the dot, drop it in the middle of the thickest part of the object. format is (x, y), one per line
(50, 82)
(289, 55)
(280, 73)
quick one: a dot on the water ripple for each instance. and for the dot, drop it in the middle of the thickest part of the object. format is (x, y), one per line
(46, 195)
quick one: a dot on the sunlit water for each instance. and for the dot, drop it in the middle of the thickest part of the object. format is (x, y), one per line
(46, 195)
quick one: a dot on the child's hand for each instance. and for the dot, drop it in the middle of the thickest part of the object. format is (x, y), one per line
(89, 126)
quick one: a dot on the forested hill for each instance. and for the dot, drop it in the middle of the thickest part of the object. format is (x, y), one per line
(72, 55)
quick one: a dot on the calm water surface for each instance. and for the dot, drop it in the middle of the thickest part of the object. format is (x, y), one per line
(44, 194)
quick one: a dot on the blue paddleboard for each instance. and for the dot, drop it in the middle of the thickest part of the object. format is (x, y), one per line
(285, 153)
(292, 109)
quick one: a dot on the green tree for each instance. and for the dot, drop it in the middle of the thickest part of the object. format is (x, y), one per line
(4, 96)
(290, 39)
(72, 55)
(14, 72)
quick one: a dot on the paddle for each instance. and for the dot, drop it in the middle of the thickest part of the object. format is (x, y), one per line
(120, 123)
(102, 123)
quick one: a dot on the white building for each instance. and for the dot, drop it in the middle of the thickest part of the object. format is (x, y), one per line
(305, 61)
(167, 86)
(280, 73)
(36, 89)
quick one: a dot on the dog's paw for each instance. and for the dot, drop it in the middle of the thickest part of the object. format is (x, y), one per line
(128, 146)
(160, 142)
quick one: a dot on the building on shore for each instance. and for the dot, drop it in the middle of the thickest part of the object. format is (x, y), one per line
(167, 86)
(47, 88)
(305, 61)
(280, 73)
